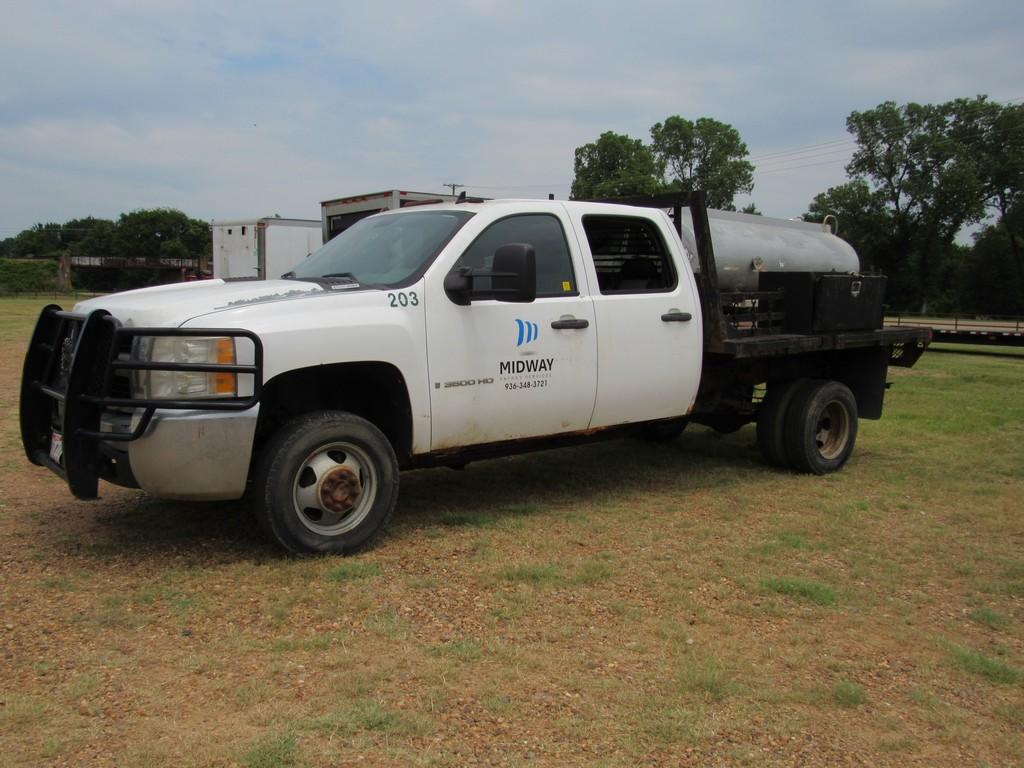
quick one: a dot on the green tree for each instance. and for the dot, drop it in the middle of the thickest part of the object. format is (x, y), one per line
(96, 237)
(40, 241)
(986, 280)
(157, 233)
(863, 219)
(80, 230)
(613, 166)
(706, 154)
(50, 241)
(928, 179)
(994, 133)
(6, 247)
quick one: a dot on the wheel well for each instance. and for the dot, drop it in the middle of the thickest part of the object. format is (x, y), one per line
(862, 370)
(726, 385)
(375, 391)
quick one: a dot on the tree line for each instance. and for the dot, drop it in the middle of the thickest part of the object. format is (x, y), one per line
(151, 235)
(920, 174)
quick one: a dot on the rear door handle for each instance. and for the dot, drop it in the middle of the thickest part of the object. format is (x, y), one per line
(675, 316)
(569, 322)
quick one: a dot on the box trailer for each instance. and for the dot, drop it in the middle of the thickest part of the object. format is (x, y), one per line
(341, 213)
(262, 248)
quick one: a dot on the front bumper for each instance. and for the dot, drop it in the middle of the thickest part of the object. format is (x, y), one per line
(69, 392)
(197, 455)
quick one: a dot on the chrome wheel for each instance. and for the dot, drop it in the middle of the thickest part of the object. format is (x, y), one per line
(334, 488)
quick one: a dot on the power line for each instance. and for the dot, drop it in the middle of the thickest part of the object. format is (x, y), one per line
(780, 160)
(797, 167)
(837, 154)
(836, 143)
(840, 153)
(800, 150)
(518, 186)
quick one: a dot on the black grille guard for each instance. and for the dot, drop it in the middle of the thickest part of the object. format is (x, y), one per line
(75, 371)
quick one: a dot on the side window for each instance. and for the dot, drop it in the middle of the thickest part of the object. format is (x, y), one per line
(629, 255)
(541, 230)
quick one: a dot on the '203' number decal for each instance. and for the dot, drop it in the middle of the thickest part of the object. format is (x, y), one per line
(403, 299)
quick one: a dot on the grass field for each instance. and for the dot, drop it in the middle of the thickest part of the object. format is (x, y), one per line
(618, 604)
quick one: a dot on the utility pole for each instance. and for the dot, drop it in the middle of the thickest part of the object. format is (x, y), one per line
(453, 186)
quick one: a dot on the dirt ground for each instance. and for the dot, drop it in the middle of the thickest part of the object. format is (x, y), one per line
(617, 604)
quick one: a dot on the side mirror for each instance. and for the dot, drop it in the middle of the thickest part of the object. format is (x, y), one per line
(513, 277)
(515, 273)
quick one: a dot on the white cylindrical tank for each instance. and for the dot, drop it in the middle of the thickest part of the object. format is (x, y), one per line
(746, 244)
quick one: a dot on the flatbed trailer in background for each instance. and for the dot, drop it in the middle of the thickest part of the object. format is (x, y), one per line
(993, 331)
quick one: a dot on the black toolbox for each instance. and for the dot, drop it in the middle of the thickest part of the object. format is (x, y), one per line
(817, 302)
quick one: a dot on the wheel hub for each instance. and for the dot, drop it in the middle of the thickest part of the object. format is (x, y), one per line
(339, 490)
(833, 430)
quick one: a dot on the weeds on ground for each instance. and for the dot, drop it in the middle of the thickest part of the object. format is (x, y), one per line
(370, 715)
(847, 694)
(529, 573)
(464, 650)
(815, 591)
(978, 663)
(989, 618)
(352, 570)
(704, 676)
(583, 574)
(272, 752)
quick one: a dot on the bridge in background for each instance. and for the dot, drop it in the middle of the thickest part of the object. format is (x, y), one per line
(110, 262)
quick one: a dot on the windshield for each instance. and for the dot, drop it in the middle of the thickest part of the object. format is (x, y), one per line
(383, 250)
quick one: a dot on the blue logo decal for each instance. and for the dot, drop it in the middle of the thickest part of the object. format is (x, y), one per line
(527, 332)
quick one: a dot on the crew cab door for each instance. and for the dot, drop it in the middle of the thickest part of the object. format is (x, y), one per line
(504, 371)
(645, 302)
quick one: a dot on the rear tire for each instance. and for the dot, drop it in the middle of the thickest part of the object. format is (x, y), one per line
(820, 427)
(771, 421)
(326, 482)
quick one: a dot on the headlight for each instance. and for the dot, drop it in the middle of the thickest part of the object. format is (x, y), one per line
(173, 385)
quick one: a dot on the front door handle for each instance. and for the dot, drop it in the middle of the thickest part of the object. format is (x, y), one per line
(569, 322)
(675, 316)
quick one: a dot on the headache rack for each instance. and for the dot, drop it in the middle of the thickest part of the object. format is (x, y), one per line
(77, 366)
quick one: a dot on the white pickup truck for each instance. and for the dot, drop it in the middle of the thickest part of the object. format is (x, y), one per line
(437, 335)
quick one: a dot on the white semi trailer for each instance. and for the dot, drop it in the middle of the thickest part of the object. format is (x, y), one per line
(339, 214)
(262, 248)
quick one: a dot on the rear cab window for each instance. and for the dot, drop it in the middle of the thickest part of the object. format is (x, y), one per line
(630, 255)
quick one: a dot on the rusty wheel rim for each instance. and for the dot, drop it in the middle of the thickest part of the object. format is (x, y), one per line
(833, 430)
(334, 488)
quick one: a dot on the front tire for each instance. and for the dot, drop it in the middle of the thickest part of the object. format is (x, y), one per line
(821, 427)
(327, 482)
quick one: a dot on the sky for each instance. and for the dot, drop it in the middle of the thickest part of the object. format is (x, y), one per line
(243, 110)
